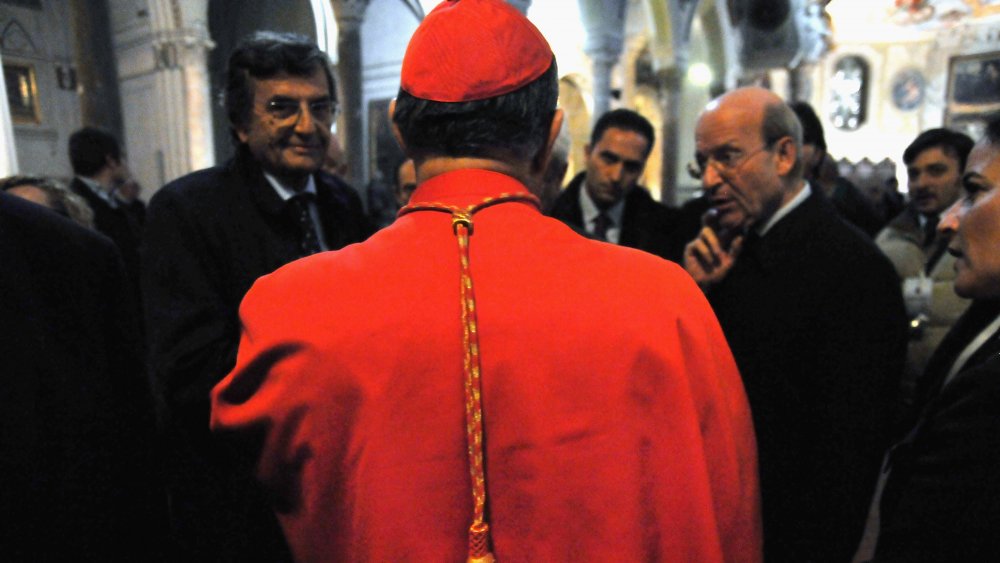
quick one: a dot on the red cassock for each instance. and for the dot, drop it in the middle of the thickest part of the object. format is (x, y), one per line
(616, 426)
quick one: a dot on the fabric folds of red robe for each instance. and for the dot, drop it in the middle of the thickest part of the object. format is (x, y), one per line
(616, 426)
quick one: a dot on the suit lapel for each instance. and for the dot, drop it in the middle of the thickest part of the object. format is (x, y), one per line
(975, 318)
(567, 206)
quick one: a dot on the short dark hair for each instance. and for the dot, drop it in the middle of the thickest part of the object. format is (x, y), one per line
(812, 128)
(89, 149)
(952, 143)
(624, 119)
(515, 124)
(263, 55)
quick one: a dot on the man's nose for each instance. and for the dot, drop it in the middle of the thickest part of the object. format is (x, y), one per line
(305, 123)
(951, 219)
(710, 178)
(618, 172)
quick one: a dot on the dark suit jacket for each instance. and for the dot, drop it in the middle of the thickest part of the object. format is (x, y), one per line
(120, 224)
(646, 224)
(942, 499)
(209, 236)
(76, 479)
(815, 318)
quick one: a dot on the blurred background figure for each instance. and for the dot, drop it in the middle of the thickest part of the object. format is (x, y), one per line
(335, 162)
(100, 168)
(850, 203)
(51, 194)
(406, 182)
(941, 500)
(552, 181)
(128, 195)
(934, 164)
(606, 201)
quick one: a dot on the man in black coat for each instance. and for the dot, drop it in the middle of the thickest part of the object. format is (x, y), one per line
(814, 316)
(100, 170)
(941, 500)
(76, 422)
(210, 235)
(605, 202)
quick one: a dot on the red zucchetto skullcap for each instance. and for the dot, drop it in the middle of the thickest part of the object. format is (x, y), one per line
(468, 50)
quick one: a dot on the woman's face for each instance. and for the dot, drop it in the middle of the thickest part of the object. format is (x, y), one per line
(974, 223)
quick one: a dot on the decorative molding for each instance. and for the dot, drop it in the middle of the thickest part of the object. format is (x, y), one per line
(15, 39)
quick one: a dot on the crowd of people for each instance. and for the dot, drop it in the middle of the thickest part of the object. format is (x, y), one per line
(248, 370)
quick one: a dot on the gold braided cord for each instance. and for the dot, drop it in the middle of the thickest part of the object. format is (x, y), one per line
(462, 225)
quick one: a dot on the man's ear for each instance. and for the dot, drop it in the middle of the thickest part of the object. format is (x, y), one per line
(241, 133)
(541, 160)
(395, 129)
(786, 154)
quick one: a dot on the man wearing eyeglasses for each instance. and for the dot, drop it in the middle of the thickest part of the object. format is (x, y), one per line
(815, 318)
(210, 235)
(606, 201)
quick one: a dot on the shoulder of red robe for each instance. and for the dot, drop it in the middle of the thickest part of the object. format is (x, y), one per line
(467, 50)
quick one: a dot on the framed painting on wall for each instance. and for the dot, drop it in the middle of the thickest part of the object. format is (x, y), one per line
(973, 90)
(22, 92)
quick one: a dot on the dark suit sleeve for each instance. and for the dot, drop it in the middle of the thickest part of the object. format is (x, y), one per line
(942, 501)
(140, 496)
(192, 333)
(857, 394)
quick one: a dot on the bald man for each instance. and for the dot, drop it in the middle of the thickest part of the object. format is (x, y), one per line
(815, 318)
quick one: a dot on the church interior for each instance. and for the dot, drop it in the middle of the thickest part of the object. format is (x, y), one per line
(878, 72)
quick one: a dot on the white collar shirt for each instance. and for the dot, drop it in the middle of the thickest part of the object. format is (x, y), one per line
(286, 194)
(591, 211)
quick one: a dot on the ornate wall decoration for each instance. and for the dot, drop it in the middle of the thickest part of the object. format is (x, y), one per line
(908, 87)
(849, 93)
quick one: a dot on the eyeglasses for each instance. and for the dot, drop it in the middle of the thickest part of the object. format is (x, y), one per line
(725, 160)
(284, 109)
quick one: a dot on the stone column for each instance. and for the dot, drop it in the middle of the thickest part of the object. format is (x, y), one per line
(800, 87)
(100, 105)
(604, 23)
(671, 82)
(8, 156)
(166, 93)
(521, 5)
(350, 15)
(181, 76)
(672, 75)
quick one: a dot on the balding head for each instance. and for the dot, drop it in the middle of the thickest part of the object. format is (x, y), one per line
(748, 142)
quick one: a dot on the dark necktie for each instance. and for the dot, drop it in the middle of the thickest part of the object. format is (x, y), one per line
(309, 241)
(601, 225)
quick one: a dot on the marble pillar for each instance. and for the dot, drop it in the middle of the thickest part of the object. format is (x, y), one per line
(671, 74)
(100, 105)
(166, 93)
(521, 5)
(604, 24)
(8, 156)
(350, 15)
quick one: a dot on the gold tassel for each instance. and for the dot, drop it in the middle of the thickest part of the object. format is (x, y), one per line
(479, 544)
